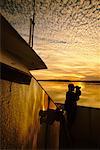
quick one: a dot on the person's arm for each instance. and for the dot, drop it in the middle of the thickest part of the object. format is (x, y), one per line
(78, 93)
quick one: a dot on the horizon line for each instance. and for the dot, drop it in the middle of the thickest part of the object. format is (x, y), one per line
(57, 80)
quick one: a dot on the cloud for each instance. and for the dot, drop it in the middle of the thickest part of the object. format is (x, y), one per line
(66, 37)
(50, 40)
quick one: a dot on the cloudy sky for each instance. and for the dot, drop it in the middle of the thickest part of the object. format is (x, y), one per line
(66, 35)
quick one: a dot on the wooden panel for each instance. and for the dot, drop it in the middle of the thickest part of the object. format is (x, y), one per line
(12, 43)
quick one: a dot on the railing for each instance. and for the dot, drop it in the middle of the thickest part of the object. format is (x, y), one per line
(47, 121)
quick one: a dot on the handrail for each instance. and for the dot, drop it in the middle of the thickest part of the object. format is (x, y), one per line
(46, 93)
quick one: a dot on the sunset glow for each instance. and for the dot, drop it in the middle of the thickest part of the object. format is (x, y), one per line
(66, 37)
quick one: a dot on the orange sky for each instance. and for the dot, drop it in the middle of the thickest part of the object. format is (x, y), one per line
(69, 45)
(66, 37)
(68, 42)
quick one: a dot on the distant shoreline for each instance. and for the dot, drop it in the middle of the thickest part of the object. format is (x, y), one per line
(94, 81)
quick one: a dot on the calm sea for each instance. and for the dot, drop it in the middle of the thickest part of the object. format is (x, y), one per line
(90, 96)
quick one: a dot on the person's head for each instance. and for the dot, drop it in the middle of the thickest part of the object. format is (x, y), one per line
(71, 87)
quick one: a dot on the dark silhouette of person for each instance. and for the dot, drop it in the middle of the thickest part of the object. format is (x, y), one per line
(78, 92)
(71, 102)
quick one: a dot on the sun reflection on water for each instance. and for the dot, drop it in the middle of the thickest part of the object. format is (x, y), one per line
(90, 96)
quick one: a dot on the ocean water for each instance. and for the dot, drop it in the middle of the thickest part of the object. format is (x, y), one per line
(90, 92)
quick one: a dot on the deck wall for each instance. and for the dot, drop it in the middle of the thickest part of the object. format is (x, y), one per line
(86, 129)
(19, 113)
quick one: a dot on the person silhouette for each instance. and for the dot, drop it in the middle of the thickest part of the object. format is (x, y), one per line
(78, 92)
(70, 105)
